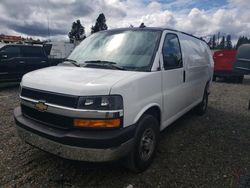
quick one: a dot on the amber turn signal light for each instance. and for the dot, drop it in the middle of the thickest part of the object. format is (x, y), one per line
(108, 123)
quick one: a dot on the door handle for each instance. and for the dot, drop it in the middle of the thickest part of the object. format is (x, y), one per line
(21, 61)
(43, 61)
(184, 76)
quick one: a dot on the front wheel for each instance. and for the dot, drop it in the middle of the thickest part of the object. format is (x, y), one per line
(146, 140)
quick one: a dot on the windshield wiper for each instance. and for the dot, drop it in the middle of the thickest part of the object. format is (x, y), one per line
(99, 61)
(108, 64)
(74, 62)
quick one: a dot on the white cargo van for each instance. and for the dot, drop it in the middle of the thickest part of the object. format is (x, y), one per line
(116, 92)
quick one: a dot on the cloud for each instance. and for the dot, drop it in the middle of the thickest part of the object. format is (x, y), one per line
(240, 3)
(36, 29)
(36, 16)
(161, 19)
(192, 16)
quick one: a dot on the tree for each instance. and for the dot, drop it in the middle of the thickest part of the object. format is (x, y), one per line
(242, 40)
(239, 42)
(77, 32)
(209, 43)
(100, 24)
(222, 43)
(228, 42)
(214, 42)
(142, 25)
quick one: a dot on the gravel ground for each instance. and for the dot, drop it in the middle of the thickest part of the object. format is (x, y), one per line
(208, 151)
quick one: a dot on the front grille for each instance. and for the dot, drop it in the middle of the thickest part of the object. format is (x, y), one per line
(50, 97)
(53, 120)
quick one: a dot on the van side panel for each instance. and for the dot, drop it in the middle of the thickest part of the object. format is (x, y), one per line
(144, 89)
(196, 60)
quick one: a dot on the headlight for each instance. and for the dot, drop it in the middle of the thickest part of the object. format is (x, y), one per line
(112, 105)
(108, 102)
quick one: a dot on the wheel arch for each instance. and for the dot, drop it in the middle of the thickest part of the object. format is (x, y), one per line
(208, 86)
(152, 109)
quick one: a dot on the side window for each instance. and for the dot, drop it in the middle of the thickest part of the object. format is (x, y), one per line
(171, 52)
(32, 51)
(11, 51)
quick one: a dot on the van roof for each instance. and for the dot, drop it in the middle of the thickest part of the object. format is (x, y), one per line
(154, 29)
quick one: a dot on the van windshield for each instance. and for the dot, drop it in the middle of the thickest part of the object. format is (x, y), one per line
(129, 50)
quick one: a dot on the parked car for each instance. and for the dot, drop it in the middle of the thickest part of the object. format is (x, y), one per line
(116, 92)
(242, 65)
(224, 61)
(16, 60)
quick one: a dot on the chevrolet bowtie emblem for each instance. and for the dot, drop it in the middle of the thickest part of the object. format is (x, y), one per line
(41, 106)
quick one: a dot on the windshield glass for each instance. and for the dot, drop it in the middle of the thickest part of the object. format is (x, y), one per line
(132, 50)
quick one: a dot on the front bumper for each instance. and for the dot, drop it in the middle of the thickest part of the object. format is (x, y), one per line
(82, 145)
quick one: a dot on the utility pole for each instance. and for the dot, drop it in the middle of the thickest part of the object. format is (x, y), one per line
(48, 20)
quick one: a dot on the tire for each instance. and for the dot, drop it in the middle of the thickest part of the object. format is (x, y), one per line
(240, 79)
(202, 107)
(235, 79)
(245, 181)
(146, 141)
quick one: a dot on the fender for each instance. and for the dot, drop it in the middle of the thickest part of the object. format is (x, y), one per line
(144, 110)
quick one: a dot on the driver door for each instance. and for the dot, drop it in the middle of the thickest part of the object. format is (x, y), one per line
(173, 79)
(10, 66)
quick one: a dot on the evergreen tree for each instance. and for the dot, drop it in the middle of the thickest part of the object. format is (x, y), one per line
(214, 42)
(239, 42)
(100, 24)
(142, 25)
(228, 42)
(209, 43)
(222, 43)
(77, 32)
(242, 40)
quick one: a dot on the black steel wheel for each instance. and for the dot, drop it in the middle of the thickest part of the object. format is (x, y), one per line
(202, 107)
(146, 140)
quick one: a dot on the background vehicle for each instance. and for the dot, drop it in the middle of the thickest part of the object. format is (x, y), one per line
(16, 60)
(119, 89)
(60, 50)
(242, 65)
(224, 61)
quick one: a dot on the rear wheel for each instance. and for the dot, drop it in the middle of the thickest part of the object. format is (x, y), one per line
(146, 140)
(240, 79)
(214, 78)
(202, 107)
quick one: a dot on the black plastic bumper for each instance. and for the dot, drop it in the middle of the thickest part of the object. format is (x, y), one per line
(227, 73)
(98, 139)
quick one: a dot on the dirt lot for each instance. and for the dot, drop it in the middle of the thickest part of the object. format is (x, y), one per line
(208, 151)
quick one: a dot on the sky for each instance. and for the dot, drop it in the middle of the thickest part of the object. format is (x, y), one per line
(198, 17)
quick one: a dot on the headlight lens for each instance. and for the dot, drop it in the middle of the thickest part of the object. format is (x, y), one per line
(109, 102)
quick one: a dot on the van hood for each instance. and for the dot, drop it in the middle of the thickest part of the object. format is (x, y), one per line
(78, 81)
